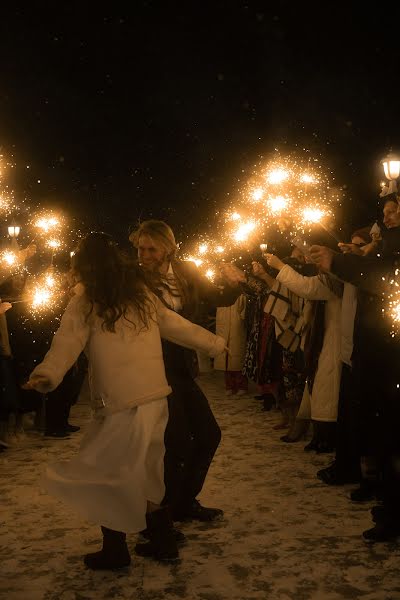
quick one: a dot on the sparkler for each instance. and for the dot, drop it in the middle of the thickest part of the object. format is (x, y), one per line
(9, 258)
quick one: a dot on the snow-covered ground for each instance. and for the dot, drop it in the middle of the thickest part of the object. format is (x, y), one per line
(285, 535)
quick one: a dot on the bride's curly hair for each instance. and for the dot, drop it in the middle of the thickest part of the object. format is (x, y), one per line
(114, 283)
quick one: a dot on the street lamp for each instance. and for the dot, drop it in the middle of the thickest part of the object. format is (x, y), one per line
(391, 167)
(13, 231)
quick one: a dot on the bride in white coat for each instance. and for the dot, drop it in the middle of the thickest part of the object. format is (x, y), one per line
(117, 478)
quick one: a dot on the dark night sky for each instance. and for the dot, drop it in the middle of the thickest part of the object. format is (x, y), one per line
(157, 109)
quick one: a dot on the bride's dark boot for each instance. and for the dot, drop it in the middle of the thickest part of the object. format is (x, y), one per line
(114, 553)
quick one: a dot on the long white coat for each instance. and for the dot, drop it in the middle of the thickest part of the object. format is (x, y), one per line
(120, 464)
(325, 393)
(230, 325)
(126, 368)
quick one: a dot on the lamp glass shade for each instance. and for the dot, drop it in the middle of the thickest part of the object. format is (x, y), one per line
(13, 231)
(392, 169)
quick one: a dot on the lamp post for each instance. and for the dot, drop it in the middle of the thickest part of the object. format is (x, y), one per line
(13, 232)
(391, 167)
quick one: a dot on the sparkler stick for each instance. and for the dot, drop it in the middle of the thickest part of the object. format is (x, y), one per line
(335, 237)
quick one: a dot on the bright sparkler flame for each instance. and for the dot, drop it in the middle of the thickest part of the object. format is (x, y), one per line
(313, 215)
(258, 194)
(395, 311)
(306, 178)
(219, 249)
(203, 248)
(243, 232)
(210, 273)
(54, 244)
(235, 216)
(10, 258)
(46, 224)
(277, 176)
(41, 297)
(50, 281)
(277, 204)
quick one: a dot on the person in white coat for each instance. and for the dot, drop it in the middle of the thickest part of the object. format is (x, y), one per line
(117, 477)
(324, 396)
(230, 325)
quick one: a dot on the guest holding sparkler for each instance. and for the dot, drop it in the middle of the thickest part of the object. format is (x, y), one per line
(324, 365)
(117, 478)
(375, 360)
(10, 401)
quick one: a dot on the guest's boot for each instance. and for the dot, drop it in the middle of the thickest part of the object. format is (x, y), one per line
(114, 553)
(297, 432)
(268, 402)
(162, 545)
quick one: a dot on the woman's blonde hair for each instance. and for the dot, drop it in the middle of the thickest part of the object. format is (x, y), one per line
(158, 231)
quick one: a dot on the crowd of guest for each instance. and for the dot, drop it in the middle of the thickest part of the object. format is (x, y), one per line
(320, 347)
(307, 328)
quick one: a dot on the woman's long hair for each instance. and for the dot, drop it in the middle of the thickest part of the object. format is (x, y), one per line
(114, 283)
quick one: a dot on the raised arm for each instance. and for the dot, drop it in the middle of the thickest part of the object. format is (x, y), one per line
(68, 342)
(178, 330)
(311, 288)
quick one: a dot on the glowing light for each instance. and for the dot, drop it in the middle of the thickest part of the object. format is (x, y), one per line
(10, 258)
(235, 216)
(313, 215)
(47, 223)
(263, 247)
(203, 248)
(258, 194)
(210, 273)
(50, 281)
(41, 298)
(243, 232)
(305, 178)
(53, 244)
(277, 204)
(197, 261)
(395, 311)
(277, 176)
(219, 249)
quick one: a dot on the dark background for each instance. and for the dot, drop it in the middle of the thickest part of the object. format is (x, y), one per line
(159, 109)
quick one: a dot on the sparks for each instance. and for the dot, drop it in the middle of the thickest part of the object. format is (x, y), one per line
(242, 233)
(277, 176)
(10, 258)
(313, 215)
(53, 244)
(277, 204)
(258, 194)
(306, 178)
(210, 273)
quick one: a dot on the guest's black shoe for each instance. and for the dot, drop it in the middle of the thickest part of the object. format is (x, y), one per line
(313, 445)
(196, 512)
(268, 402)
(378, 513)
(382, 532)
(72, 428)
(324, 448)
(363, 493)
(62, 435)
(333, 476)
